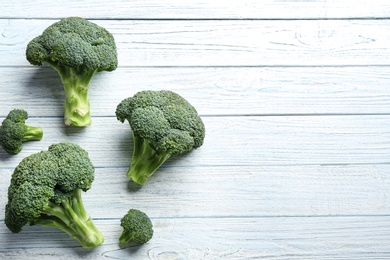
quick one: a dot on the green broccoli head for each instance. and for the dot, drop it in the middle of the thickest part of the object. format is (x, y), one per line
(137, 228)
(163, 124)
(76, 49)
(14, 131)
(45, 189)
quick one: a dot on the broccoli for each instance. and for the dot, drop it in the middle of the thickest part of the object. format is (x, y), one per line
(45, 190)
(76, 49)
(14, 131)
(137, 228)
(163, 124)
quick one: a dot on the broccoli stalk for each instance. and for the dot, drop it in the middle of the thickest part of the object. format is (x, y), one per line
(145, 160)
(76, 83)
(70, 216)
(126, 237)
(32, 133)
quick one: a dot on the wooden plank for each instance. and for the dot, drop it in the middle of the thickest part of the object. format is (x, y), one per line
(294, 96)
(226, 43)
(218, 238)
(236, 141)
(247, 191)
(240, 191)
(213, 91)
(187, 9)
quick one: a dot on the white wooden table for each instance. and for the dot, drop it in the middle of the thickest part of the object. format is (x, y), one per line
(295, 96)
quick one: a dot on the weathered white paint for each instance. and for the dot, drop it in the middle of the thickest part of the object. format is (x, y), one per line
(295, 164)
(213, 90)
(200, 9)
(225, 43)
(236, 140)
(219, 238)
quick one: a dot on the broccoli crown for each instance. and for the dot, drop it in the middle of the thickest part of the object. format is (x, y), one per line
(137, 227)
(46, 178)
(14, 131)
(76, 49)
(169, 123)
(74, 42)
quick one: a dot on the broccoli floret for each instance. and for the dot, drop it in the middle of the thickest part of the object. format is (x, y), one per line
(14, 131)
(163, 124)
(76, 49)
(137, 228)
(45, 190)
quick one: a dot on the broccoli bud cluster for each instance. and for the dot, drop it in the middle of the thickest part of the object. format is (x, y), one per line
(14, 131)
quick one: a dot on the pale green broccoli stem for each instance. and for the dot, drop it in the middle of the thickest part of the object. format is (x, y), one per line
(32, 134)
(76, 83)
(70, 216)
(145, 161)
(126, 237)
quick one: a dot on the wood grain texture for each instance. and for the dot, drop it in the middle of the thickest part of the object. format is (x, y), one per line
(225, 43)
(201, 9)
(219, 238)
(294, 96)
(263, 191)
(213, 91)
(235, 141)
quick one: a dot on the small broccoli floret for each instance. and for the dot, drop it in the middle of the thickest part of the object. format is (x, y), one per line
(45, 190)
(163, 124)
(137, 228)
(14, 131)
(77, 49)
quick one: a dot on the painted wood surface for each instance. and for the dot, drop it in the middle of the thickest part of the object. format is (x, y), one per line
(223, 238)
(224, 91)
(199, 9)
(226, 43)
(295, 99)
